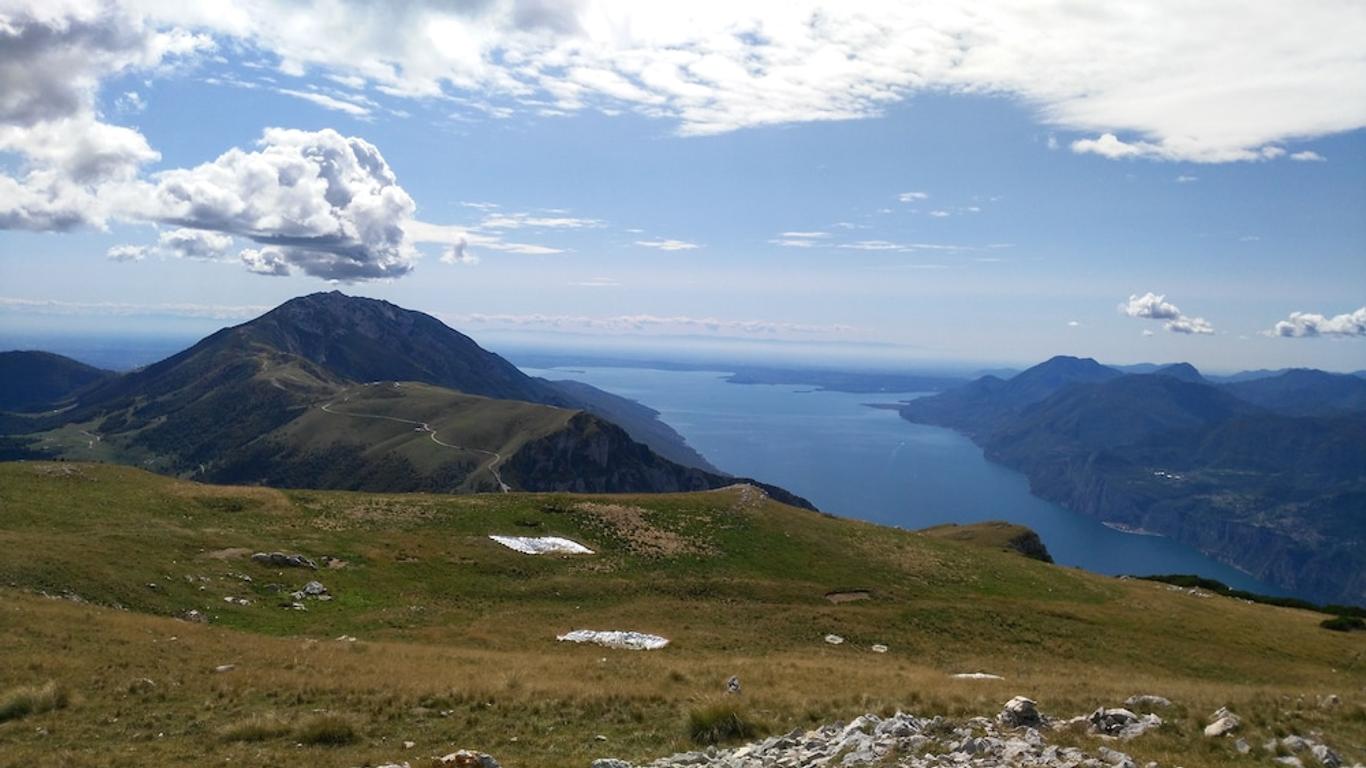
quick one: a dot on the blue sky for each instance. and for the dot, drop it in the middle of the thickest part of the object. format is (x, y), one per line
(961, 208)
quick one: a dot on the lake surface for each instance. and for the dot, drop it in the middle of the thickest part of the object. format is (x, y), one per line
(868, 463)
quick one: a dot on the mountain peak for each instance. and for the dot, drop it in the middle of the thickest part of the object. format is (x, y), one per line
(1182, 371)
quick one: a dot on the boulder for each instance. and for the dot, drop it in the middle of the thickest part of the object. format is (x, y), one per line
(314, 589)
(1326, 757)
(610, 762)
(282, 560)
(1147, 701)
(1020, 711)
(468, 759)
(1222, 722)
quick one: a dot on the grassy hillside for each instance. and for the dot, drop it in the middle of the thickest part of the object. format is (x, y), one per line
(456, 634)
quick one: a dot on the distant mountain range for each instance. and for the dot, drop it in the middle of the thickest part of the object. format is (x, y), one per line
(332, 391)
(1267, 474)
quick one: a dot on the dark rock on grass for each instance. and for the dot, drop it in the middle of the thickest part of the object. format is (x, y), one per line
(282, 560)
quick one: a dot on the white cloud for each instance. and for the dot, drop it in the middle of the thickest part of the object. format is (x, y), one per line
(1194, 90)
(1073, 324)
(265, 261)
(1189, 325)
(1308, 156)
(526, 220)
(458, 253)
(668, 245)
(805, 235)
(596, 282)
(645, 323)
(59, 307)
(195, 243)
(911, 197)
(1185, 179)
(1147, 332)
(127, 253)
(130, 101)
(1152, 306)
(326, 204)
(940, 214)
(1306, 324)
(327, 102)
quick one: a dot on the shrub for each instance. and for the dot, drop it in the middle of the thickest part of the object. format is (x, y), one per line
(257, 728)
(1343, 623)
(30, 700)
(326, 730)
(721, 721)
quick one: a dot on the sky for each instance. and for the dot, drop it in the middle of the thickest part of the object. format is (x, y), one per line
(864, 184)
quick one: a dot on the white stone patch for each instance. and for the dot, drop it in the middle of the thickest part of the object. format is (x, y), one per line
(977, 676)
(612, 638)
(542, 545)
(834, 639)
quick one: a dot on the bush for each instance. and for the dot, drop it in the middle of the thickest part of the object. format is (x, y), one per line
(721, 721)
(257, 728)
(326, 730)
(29, 700)
(1343, 623)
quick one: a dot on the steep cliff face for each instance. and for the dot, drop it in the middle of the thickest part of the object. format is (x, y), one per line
(594, 456)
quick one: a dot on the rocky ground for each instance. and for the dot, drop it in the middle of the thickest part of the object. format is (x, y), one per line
(1018, 736)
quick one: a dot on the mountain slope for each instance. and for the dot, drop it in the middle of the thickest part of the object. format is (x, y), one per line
(1302, 392)
(31, 380)
(428, 615)
(1275, 495)
(266, 402)
(977, 405)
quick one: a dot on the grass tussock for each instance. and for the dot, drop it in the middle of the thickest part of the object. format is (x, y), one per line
(327, 731)
(721, 721)
(256, 728)
(32, 700)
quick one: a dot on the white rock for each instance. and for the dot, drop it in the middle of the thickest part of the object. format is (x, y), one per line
(834, 639)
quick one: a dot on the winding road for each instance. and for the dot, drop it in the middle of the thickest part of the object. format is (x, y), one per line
(422, 426)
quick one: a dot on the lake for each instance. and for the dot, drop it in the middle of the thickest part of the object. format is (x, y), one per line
(869, 463)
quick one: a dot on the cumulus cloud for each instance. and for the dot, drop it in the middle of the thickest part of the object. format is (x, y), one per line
(911, 197)
(324, 203)
(73, 167)
(1152, 306)
(1308, 156)
(195, 243)
(127, 253)
(1307, 324)
(458, 253)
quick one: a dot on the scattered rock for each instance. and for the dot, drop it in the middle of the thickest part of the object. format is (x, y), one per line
(977, 676)
(282, 560)
(834, 639)
(195, 616)
(1121, 723)
(1326, 757)
(468, 759)
(221, 668)
(1222, 722)
(901, 740)
(1020, 712)
(1242, 747)
(733, 685)
(1148, 701)
(610, 762)
(879, 648)
(314, 589)
(237, 600)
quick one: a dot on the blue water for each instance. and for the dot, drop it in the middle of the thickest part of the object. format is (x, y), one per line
(867, 463)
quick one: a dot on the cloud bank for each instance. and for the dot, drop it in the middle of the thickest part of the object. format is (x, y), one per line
(1309, 324)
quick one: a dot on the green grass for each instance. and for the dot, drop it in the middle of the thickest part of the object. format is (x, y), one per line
(457, 641)
(23, 701)
(721, 721)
